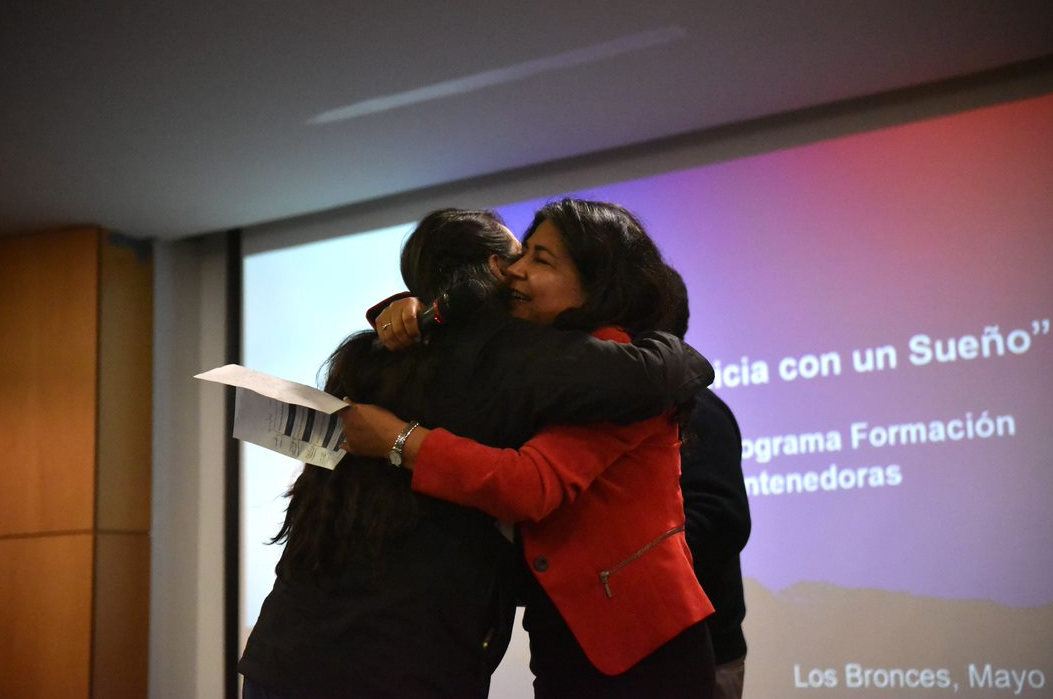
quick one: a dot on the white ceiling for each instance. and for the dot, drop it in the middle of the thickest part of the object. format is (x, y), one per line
(164, 119)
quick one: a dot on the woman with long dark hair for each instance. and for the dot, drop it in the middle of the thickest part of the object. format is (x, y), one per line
(382, 592)
(613, 607)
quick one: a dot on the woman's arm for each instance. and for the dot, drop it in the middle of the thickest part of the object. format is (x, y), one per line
(512, 485)
(525, 484)
(570, 376)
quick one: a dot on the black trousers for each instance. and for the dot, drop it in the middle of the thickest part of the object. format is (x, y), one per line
(251, 690)
(683, 668)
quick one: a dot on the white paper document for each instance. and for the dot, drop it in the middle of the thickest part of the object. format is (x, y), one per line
(287, 417)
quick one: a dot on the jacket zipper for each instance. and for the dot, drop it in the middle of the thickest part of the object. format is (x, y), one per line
(605, 575)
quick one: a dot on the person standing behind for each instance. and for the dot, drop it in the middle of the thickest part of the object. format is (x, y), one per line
(717, 517)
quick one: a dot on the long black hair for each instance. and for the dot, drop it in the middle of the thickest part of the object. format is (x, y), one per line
(451, 246)
(625, 280)
(351, 513)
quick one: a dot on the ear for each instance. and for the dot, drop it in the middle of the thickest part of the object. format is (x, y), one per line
(499, 268)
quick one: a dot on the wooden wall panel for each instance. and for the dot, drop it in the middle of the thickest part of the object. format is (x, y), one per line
(46, 613)
(122, 615)
(48, 340)
(125, 407)
(76, 316)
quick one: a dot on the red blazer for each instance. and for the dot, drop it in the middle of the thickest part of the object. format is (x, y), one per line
(602, 522)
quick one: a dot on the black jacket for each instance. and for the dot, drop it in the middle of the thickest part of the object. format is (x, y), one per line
(717, 517)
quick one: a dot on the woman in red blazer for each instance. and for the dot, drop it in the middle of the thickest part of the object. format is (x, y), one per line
(612, 603)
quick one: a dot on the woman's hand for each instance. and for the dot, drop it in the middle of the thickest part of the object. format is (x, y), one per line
(397, 324)
(370, 430)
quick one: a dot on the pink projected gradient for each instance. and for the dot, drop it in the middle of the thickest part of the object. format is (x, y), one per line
(794, 259)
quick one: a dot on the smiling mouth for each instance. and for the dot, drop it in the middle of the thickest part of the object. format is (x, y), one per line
(517, 296)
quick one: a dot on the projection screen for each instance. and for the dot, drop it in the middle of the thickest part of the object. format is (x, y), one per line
(878, 310)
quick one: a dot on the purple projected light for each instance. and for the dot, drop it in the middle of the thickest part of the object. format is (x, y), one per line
(879, 310)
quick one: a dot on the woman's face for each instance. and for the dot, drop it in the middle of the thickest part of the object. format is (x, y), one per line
(544, 282)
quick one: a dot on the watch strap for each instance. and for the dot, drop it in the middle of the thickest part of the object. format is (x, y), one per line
(395, 455)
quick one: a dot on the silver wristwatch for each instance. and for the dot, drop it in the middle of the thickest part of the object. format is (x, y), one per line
(395, 455)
